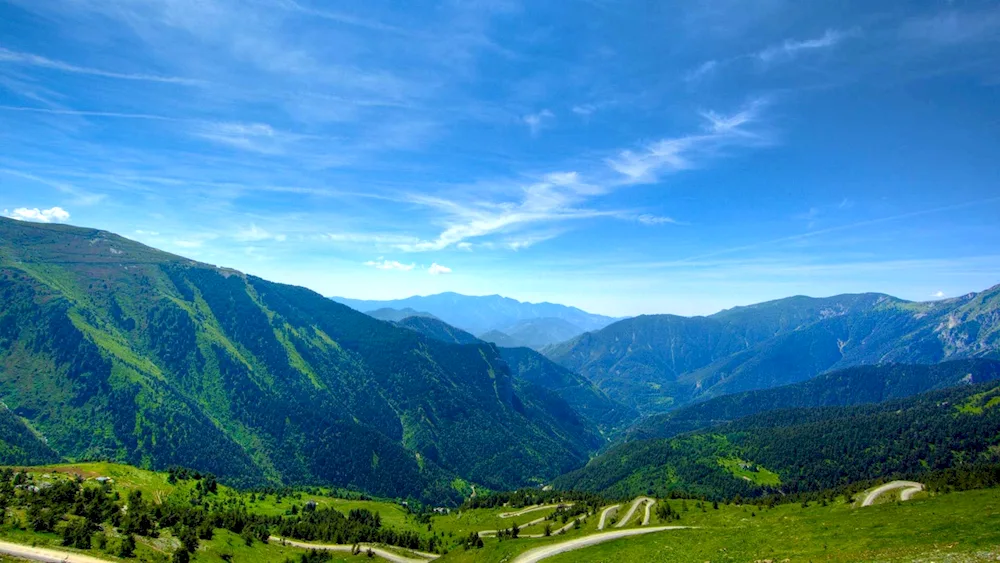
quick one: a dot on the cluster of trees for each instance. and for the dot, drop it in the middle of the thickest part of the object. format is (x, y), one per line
(89, 515)
(359, 525)
(666, 513)
(473, 541)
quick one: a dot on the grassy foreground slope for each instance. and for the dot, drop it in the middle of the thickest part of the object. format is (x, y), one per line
(962, 525)
(938, 525)
(228, 524)
(114, 350)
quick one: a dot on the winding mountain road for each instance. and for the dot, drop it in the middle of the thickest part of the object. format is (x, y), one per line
(485, 533)
(605, 513)
(910, 488)
(649, 506)
(631, 511)
(539, 553)
(533, 509)
(348, 548)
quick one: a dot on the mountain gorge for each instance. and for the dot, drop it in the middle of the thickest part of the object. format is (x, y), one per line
(533, 368)
(660, 362)
(113, 350)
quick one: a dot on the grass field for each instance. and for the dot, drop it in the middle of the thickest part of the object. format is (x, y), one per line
(954, 527)
(757, 475)
(960, 526)
(156, 487)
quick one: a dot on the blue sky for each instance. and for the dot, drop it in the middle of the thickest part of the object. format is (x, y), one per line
(624, 157)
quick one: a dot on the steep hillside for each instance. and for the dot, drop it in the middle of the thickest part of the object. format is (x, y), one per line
(535, 370)
(851, 386)
(438, 330)
(113, 350)
(19, 445)
(660, 362)
(798, 450)
(479, 314)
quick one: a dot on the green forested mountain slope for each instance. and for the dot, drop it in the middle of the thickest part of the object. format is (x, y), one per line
(533, 369)
(660, 362)
(115, 350)
(850, 386)
(812, 449)
(19, 445)
(438, 330)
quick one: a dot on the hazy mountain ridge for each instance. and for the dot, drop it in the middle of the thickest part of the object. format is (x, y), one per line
(482, 314)
(396, 315)
(116, 350)
(533, 333)
(659, 362)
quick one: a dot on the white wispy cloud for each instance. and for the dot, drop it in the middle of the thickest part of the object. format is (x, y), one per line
(383, 264)
(536, 121)
(254, 137)
(649, 219)
(437, 269)
(686, 152)
(528, 241)
(953, 27)
(553, 198)
(370, 238)
(87, 113)
(339, 17)
(938, 295)
(80, 196)
(563, 196)
(50, 215)
(15, 57)
(584, 109)
(703, 70)
(255, 234)
(791, 47)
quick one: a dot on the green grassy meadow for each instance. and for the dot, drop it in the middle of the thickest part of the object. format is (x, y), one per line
(958, 526)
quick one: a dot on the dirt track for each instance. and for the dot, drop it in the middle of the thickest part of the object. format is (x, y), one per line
(605, 513)
(631, 511)
(911, 488)
(539, 553)
(46, 555)
(347, 548)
